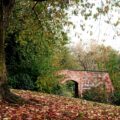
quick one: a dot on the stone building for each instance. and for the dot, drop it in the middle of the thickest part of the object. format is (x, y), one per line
(85, 80)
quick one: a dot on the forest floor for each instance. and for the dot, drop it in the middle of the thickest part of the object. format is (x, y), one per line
(53, 107)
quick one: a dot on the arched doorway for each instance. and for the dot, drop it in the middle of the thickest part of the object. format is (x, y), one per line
(72, 87)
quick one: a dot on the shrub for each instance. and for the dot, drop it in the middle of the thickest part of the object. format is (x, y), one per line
(21, 81)
(96, 94)
(49, 84)
(116, 97)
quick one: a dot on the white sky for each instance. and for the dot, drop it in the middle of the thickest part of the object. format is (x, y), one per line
(102, 32)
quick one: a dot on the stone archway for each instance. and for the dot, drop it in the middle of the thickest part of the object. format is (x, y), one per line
(74, 87)
(86, 80)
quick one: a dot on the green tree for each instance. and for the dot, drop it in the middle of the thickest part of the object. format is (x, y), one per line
(5, 12)
(33, 51)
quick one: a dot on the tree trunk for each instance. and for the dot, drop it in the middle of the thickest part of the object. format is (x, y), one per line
(5, 94)
(2, 56)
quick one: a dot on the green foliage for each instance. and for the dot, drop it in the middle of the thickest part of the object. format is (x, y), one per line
(31, 46)
(49, 83)
(21, 81)
(70, 89)
(96, 94)
(22, 74)
(45, 83)
(113, 68)
(116, 97)
(114, 71)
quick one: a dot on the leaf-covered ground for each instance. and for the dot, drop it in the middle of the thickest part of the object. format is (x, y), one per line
(52, 107)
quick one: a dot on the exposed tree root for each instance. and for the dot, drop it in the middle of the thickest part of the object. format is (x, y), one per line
(12, 98)
(8, 96)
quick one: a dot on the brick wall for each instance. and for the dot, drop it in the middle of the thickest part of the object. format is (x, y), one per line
(87, 79)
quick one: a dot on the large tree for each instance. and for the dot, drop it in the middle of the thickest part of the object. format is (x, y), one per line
(5, 11)
(6, 7)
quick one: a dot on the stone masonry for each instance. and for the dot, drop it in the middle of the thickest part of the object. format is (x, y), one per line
(86, 79)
